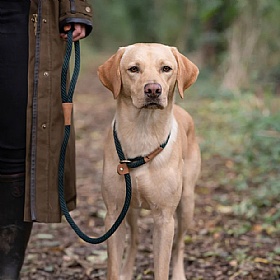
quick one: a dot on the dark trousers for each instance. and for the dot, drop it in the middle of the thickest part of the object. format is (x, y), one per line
(14, 232)
(14, 84)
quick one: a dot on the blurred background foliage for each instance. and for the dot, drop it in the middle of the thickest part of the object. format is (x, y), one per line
(236, 39)
(235, 101)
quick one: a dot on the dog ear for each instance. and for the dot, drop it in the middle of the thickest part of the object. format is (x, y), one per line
(187, 71)
(109, 73)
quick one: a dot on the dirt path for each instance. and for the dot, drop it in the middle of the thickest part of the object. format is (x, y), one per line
(214, 249)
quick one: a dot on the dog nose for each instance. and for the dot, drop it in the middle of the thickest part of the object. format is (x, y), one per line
(153, 90)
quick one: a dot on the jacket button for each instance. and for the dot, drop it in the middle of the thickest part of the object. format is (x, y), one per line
(46, 74)
(44, 20)
(88, 9)
(44, 126)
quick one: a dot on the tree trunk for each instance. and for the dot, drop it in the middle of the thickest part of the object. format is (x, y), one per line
(242, 40)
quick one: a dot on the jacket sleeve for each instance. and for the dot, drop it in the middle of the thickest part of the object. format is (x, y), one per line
(75, 11)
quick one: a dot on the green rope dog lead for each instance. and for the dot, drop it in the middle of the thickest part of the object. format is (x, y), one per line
(67, 105)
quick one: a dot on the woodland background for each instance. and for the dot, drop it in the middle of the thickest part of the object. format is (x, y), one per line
(238, 40)
(235, 105)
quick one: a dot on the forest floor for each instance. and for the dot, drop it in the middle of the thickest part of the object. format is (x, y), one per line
(221, 245)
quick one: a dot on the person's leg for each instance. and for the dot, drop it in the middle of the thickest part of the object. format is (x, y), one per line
(14, 232)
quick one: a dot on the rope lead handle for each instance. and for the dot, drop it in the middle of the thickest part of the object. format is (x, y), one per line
(67, 109)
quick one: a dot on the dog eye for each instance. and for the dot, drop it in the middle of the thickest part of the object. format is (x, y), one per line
(166, 68)
(134, 69)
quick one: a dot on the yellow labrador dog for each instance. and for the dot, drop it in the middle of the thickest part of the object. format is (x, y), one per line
(143, 77)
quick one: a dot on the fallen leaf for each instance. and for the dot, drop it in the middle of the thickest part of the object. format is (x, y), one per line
(224, 209)
(261, 260)
(44, 236)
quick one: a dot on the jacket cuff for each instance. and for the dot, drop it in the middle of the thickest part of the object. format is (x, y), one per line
(87, 24)
(75, 11)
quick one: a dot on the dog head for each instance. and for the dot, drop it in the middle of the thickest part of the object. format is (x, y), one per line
(147, 73)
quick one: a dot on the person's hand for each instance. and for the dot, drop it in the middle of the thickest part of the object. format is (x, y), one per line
(78, 33)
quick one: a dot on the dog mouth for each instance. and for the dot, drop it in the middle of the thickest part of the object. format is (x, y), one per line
(153, 105)
(149, 103)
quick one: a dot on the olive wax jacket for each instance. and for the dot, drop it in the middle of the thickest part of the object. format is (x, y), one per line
(45, 121)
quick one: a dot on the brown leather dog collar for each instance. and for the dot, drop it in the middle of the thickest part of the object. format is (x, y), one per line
(125, 164)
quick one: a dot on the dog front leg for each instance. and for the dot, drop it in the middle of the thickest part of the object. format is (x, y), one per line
(184, 219)
(185, 211)
(115, 247)
(127, 270)
(162, 241)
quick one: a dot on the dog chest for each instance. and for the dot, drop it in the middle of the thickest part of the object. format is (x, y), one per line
(155, 189)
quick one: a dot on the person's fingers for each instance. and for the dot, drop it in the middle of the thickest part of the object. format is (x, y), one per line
(63, 36)
(78, 33)
(67, 27)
